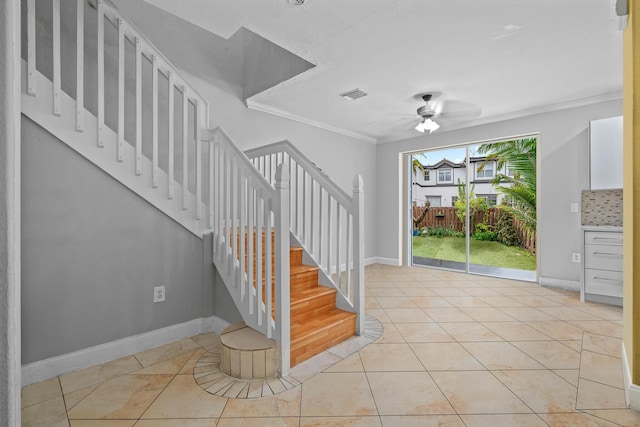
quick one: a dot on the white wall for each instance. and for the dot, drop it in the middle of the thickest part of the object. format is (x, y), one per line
(563, 174)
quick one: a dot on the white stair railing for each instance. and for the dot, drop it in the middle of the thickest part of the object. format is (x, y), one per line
(325, 219)
(121, 132)
(247, 212)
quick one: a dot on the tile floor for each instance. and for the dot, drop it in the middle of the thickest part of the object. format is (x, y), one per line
(457, 350)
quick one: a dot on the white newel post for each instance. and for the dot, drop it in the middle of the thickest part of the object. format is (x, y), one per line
(358, 252)
(283, 304)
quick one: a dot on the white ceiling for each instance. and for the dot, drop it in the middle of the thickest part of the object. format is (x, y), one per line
(485, 60)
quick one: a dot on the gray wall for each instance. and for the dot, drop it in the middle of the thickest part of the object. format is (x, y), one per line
(93, 251)
(563, 157)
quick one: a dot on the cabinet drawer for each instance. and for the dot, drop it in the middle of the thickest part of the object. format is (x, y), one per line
(602, 282)
(602, 257)
(609, 238)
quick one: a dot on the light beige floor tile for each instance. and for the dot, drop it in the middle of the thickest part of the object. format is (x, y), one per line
(500, 355)
(487, 314)
(543, 391)
(407, 393)
(371, 302)
(449, 292)
(103, 423)
(169, 367)
(516, 331)
(350, 395)
(445, 357)
(423, 332)
(41, 392)
(575, 420)
(575, 345)
(418, 292)
(206, 340)
(351, 363)
(258, 422)
(567, 313)
(166, 352)
(599, 327)
(50, 413)
(623, 417)
(183, 398)
(601, 368)
(390, 357)
(602, 311)
(340, 421)
(569, 375)
(593, 395)
(502, 301)
(74, 397)
(431, 302)
(551, 354)
(390, 335)
(558, 330)
(447, 314)
(311, 367)
(511, 420)
(527, 314)
(191, 363)
(466, 301)
(404, 315)
(477, 392)
(537, 301)
(379, 314)
(285, 404)
(97, 374)
(481, 292)
(387, 292)
(422, 421)
(470, 332)
(602, 344)
(124, 397)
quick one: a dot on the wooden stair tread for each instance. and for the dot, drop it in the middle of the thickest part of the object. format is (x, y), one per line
(301, 269)
(300, 331)
(307, 294)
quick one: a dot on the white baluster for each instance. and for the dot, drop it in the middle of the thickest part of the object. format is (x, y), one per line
(251, 236)
(312, 215)
(304, 208)
(80, 65)
(57, 88)
(268, 274)
(243, 235)
(100, 9)
(154, 120)
(259, 255)
(31, 47)
(348, 257)
(320, 221)
(196, 118)
(138, 145)
(185, 147)
(338, 264)
(283, 315)
(121, 40)
(170, 172)
(358, 252)
(329, 270)
(211, 183)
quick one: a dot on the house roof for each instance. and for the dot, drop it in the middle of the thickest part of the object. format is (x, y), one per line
(484, 61)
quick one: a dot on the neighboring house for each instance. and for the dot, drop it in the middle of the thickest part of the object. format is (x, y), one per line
(438, 183)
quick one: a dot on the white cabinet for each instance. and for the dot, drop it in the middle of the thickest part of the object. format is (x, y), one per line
(605, 153)
(602, 265)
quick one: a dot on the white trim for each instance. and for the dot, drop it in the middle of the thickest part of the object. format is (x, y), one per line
(254, 105)
(631, 391)
(569, 285)
(65, 363)
(370, 261)
(385, 261)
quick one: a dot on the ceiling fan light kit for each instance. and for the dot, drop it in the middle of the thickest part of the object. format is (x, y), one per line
(427, 114)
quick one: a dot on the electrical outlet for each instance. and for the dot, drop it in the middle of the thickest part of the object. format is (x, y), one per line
(158, 294)
(575, 257)
(575, 208)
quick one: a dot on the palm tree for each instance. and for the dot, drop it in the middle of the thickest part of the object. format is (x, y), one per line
(520, 156)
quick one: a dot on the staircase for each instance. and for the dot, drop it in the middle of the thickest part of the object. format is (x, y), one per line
(310, 295)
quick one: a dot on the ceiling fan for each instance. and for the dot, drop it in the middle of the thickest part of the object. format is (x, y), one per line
(447, 113)
(427, 113)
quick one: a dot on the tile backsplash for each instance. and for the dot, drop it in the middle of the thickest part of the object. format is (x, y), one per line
(602, 207)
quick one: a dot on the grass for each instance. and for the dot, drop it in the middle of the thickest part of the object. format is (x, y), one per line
(480, 252)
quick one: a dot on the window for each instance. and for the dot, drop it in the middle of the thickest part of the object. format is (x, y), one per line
(511, 171)
(426, 175)
(444, 175)
(435, 201)
(491, 199)
(486, 172)
(454, 199)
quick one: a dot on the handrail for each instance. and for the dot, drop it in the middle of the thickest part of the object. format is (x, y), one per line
(325, 219)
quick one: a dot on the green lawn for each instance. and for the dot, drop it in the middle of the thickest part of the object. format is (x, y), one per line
(480, 252)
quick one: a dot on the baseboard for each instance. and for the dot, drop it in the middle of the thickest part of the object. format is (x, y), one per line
(63, 364)
(370, 261)
(386, 261)
(569, 285)
(631, 391)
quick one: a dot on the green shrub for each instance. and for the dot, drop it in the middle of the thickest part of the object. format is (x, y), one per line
(484, 232)
(505, 231)
(441, 232)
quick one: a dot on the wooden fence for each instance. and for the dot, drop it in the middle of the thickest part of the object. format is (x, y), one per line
(446, 217)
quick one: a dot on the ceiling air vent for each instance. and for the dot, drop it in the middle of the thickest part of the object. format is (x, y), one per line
(354, 94)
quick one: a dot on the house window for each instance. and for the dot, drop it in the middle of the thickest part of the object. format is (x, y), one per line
(491, 199)
(486, 172)
(435, 201)
(510, 171)
(444, 175)
(426, 175)
(454, 199)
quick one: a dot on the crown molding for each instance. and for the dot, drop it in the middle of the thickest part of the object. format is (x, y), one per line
(285, 114)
